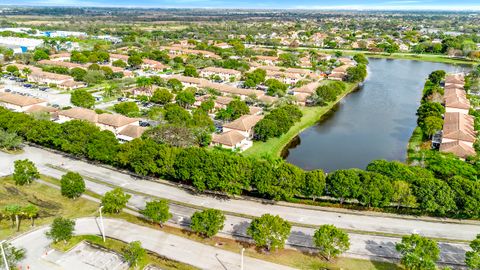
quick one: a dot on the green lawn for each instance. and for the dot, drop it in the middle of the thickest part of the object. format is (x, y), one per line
(50, 202)
(311, 115)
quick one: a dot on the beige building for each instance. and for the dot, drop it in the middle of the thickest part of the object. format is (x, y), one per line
(131, 132)
(231, 140)
(244, 125)
(19, 103)
(223, 73)
(42, 77)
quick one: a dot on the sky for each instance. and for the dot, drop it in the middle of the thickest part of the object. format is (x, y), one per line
(468, 5)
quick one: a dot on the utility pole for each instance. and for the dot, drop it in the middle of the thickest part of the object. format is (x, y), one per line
(101, 223)
(5, 262)
(241, 262)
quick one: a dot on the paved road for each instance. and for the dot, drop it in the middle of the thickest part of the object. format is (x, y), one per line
(369, 246)
(168, 245)
(362, 246)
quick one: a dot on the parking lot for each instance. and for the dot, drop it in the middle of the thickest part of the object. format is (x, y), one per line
(84, 256)
(53, 96)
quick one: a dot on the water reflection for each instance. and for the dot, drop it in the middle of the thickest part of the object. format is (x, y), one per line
(374, 122)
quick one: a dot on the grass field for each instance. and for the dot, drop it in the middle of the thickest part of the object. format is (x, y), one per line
(311, 115)
(50, 202)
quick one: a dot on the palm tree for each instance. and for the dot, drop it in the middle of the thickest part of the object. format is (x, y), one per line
(27, 71)
(30, 211)
(14, 212)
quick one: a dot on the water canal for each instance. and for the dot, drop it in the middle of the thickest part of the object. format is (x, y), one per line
(374, 122)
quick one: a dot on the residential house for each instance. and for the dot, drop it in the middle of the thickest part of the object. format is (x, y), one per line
(223, 73)
(115, 122)
(231, 140)
(131, 132)
(77, 113)
(42, 77)
(60, 57)
(267, 60)
(19, 103)
(244, 125)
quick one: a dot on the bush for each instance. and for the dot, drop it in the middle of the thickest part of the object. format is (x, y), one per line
(72, 185)
(277, 122)
(207, 222)
(82, 98)
(128, 108)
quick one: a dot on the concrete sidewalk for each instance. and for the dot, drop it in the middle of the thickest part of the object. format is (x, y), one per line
(167, 245)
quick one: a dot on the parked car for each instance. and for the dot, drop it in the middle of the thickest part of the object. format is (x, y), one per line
(8, 90)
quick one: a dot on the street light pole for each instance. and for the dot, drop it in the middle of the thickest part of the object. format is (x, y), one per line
(101, 223)
(5, 262)
(241, 262)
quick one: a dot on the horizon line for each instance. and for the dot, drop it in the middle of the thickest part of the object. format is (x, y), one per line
(326, 8)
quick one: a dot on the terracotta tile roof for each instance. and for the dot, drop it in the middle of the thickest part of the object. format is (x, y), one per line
(61, 64)
(454, 92)
(229, 138)
(254, 110)
(60, 55)
(267, 99)
(19, 100)
(458, 126)
(122, 57)
(133, 131)
(191, 51)
(457, 102)
(49, 76)
(266, 58)
(115, 120)
(244, 123)
(454, 79)
(302, 97)
(281, 74)
(307, 88)
(40, 108)
(458, 148)
(224, 88)
(341, 69)
(80, 114)
(222, 100)
(283, 69)
(32, 68)
(154, 63)
(221, 70)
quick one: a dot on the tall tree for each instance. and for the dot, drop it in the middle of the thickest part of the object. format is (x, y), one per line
(133, 253)
(269, 231)
(115, 200)
(418, 252)
(472, 258)
(30, 211)
(314, 185)
(24, 172)
(14, 211)
(61, 229)
(72, 185)
(331, 241)
(403, 194)
(82, 98)
(157, 211)
(207, 222)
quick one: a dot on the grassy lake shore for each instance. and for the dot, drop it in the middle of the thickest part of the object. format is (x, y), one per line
(311, 115)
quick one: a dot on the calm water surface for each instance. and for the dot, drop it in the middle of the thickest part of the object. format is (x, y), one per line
(374, 122)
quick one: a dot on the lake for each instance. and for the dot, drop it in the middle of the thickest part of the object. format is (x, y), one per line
(374, 122)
